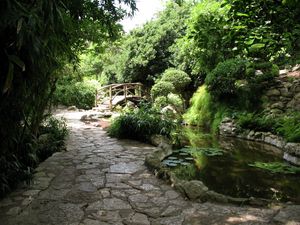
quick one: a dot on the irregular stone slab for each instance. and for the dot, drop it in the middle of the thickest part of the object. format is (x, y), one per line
(137, 219)
(115, 204)
(14, 211)
(130, 168)
(176, 220)
(31, 192)
(138, 198)
(289, 215)
(106, 183)
(86, 186)
(111, 217)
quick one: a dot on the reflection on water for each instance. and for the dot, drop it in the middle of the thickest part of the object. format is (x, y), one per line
(231, 174)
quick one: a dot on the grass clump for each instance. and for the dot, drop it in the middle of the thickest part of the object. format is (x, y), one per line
(19, 165)
(276, 167)
(71, 92)
(140, 124)
(200, 113)
(287, 126)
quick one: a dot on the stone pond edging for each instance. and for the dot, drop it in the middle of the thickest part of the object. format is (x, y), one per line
(291, 151)
(194, 190)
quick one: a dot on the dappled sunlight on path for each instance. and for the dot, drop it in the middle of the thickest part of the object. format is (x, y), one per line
(100, 180)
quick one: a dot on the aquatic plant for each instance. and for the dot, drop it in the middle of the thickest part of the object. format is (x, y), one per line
(276, 167)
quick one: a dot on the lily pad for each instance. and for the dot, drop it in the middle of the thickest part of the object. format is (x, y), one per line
(184, 154)
(172, 157)
(185, 163)
(276, 167)
(189, 158)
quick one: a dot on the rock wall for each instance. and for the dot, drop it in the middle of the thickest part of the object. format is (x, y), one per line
(228, 128)
(283, 94)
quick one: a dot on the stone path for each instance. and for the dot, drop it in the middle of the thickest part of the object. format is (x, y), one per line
(102, 181)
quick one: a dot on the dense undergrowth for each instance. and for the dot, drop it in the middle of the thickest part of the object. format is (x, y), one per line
(286, 125)
(74, 92)
(140, 124)
(19, 165)
(233, 47)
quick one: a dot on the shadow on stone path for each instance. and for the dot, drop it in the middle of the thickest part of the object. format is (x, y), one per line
(101, 181)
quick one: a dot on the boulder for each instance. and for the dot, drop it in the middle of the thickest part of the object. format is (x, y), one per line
(273, 92)
(228, 127)
(157, 140)
(72, 108)
(278, 105)
(195, 189)
(292, 149)
(291, 159)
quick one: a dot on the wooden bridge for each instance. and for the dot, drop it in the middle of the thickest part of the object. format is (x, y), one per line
(118, 93)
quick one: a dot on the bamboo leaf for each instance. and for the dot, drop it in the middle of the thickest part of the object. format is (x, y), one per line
(19, 25)
(9, 77)
(16, 60)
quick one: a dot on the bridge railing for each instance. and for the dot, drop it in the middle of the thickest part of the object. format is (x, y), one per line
(128, 90)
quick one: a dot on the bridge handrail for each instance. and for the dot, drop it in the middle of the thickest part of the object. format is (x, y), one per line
(118, 85)
(112, 90)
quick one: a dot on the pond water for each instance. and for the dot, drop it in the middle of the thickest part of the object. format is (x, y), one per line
(227, 169)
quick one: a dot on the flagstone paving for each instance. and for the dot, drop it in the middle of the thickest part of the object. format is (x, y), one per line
(101, 181)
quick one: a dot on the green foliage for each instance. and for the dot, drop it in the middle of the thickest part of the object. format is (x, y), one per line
(276, 167)
(160, 102)
(221, 81)
(37, 39)
(55, 132)
(256, 122)
(144, 54)
(267, 72)
(178, 78)
(220, 30)
(200, 112)
(140, 124)
(289, 127)
(171, 99)
(79, 93)
(285, 125)
(175, 101)
(18, 167)
(275, 36)
(203, 46)
(204, 112)
(187, 172)
(206, 151)
(162, 88)
(235, 81)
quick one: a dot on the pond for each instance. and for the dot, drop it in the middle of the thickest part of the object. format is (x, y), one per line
(226, 165)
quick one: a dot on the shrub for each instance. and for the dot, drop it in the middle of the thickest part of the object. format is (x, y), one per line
(140, 124)
(200, 112)
(221, 81)
(162, 88)
(160, 102)
(178, 78)
(268, 72)
(175, 101)
(15, 168)
(289, 127)
(285, 125)
(53, 134)
(172, 100)
(80, 94)
(256, 122)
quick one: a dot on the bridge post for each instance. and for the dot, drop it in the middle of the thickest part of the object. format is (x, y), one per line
(125, 93)
(96, 98)
(110, 98)
(139, 90)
